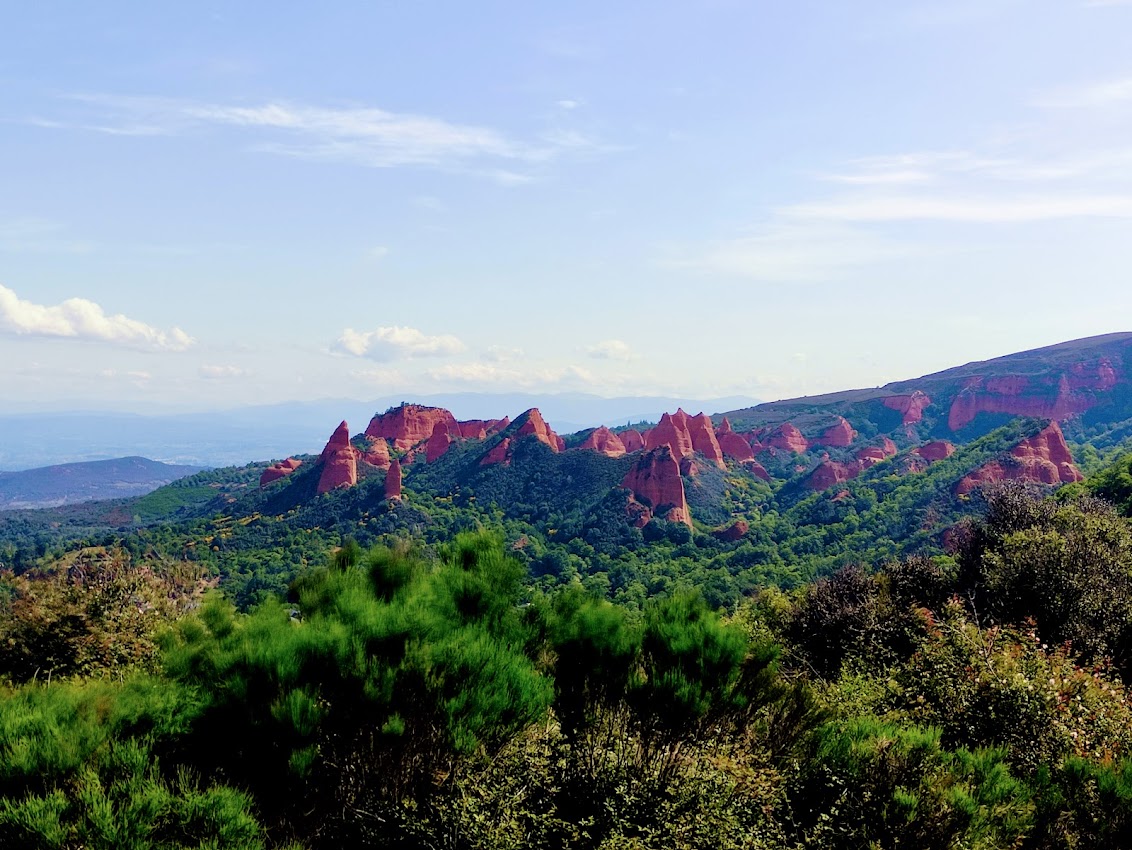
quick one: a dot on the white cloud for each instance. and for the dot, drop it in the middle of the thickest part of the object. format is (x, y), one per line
(961, 208)
(396, 342)
(221, 372)
(359, 135)
(610, 349)
(78, 318)
(501, 354)
(378, 251)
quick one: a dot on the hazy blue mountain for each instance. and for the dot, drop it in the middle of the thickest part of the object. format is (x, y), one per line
(261, 432)
(68, 483)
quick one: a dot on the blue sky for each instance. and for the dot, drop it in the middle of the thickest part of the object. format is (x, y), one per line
(206, 207)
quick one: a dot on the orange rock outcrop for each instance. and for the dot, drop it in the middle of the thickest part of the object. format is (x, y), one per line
(839, 435)
(911, 407)
(279, 470)
(410, 424)
(655, 483)
(393, 482)
(733, 445)
(603, 441)
(339, 462)
(1041, 459)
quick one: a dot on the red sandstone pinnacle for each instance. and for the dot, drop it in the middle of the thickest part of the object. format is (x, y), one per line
(839, 435)
(1043, 458)
(438, 442)
(788, 438)
(632, 440)
(654, 480)
(603, 441)
(534, 425)
(704, 440)
(339, 462)
(671, 431)
(393, 482)
(409, 424)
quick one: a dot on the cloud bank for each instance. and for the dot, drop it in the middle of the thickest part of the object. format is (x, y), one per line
(396, 343)
(78, 318)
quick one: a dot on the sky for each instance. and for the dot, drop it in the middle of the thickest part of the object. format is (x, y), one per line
(212, 205)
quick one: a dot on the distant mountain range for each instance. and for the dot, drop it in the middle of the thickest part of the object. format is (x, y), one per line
(248, 434)
(71, 483)
(769, 493)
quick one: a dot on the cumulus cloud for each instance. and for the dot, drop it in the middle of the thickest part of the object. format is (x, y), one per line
(610, 349)
(78, 318)
(396, 343)
(221, 372)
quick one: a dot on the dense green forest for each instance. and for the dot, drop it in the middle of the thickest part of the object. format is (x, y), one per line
(442, 693)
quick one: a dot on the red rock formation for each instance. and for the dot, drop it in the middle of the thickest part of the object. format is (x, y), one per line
(560, 442)
(473, 429)
(704, 440)
(500, 454)
(788, 438)
(339, 462)
(654, 480)
(410, 424)
(438, 442)
(936, 450)
(671, 431)
(688, 467)
(377, 452)
(393, 482)
(603, 441)
(632, 440)
(871, 455)
(1021, 395)
(733, 445)
(1042, 459)
(534, 425)
(830, 472)
(756, 469)
(279, 470)
(911, 407)
(733, 532)
(838, 436)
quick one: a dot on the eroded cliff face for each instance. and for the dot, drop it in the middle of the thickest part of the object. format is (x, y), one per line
(279, 470)
(734, 446)
(788, 438)
(531, 424)
(410, 424)
(438, 442)
(1054, 396)
(838, 436)
(655, 485)
(671, 431)
(910, 406)
(603, 441)
(1041, 459)
(339, 462)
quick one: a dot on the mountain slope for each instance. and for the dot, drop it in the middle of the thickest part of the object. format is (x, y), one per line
(68, 483)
